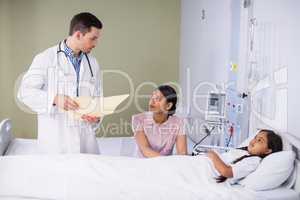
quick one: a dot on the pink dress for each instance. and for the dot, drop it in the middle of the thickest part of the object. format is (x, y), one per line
(161, 137)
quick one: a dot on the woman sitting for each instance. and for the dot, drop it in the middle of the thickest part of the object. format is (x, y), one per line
(157, 131)
(238, 163)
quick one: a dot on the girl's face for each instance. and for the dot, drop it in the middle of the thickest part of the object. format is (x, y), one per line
(158, 103)
(259, 145)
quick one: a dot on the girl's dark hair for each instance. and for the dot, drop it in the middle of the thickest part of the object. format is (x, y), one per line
(274, 140)
(171, 97)
(274, 143)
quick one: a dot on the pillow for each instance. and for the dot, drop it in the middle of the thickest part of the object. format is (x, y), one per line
(273, 171)
(290, 182)
(5, 135)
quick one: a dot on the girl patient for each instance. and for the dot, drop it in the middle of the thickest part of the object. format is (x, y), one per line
(238, 163)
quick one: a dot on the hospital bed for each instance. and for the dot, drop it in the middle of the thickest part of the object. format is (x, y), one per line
(116, 147)
(113, 146)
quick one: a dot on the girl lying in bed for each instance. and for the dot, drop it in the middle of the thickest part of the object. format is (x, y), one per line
(238, 163)
(108, 177)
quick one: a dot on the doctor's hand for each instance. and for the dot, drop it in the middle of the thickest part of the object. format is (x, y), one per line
(65, 102)
(90, 119)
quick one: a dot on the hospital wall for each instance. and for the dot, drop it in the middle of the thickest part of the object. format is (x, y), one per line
(273, 67)
(215, 33)
(140, 38)
(208, 29)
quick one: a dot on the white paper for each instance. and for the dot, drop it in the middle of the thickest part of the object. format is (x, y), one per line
(96, 107)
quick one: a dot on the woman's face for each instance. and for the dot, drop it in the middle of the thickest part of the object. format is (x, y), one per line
(259, 145)
(158, 103)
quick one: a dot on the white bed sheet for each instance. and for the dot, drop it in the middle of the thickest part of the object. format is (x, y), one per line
(281, 193)
(127, 147)
(278, 194)
(113, 146)
(20, 198)
(118, 146)
(22, 147)
(84, 176)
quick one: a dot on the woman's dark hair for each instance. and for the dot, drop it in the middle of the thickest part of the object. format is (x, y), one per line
(171, 97)
(83, 22)
(274, 143)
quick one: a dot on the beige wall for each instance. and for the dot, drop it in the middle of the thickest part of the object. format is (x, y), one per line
(141, 38)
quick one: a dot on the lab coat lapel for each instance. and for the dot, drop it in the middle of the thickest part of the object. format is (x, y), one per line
(68, 66)
(66, 76)
(83, 66)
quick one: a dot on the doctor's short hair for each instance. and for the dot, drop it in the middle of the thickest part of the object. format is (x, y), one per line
(83, 22)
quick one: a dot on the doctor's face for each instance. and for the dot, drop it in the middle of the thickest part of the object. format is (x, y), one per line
(89, 40)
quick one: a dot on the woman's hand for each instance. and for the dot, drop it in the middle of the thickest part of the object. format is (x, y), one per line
(181, 147)
(144, 146)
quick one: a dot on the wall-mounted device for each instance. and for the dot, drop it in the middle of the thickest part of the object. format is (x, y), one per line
(215, 112)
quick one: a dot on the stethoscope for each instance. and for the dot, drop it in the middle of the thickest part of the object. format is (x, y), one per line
(59, 50)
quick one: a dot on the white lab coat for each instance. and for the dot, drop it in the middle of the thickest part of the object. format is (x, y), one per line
(50, 74)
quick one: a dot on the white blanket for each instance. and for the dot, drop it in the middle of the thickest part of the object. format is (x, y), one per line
(89, 177)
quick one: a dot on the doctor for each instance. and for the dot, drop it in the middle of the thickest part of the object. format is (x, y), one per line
(55, 77)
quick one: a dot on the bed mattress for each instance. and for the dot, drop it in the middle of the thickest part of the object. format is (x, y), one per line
(108, 146)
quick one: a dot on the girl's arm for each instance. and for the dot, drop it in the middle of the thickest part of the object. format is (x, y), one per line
(144, 145)
(181, 148)
(221, 167)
